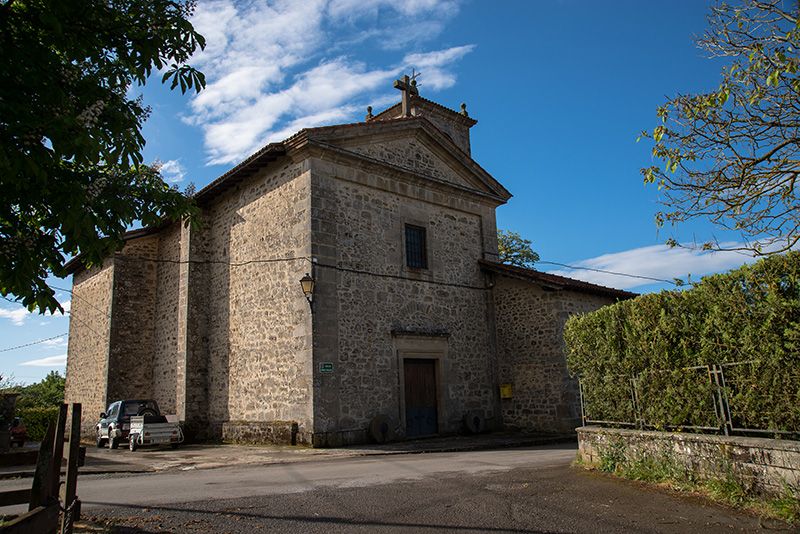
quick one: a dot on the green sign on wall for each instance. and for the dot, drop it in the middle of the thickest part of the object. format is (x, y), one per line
(326, 367)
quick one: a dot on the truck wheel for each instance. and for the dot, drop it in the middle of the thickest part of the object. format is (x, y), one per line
(113, 443)
(132, 445)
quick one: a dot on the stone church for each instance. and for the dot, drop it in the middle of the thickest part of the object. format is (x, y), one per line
(412, 327)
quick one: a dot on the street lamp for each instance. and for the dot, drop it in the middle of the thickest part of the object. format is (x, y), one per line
(307, 283)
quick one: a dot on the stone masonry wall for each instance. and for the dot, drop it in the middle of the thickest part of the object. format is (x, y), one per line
(166, 331)
(257, 245)
(358, 222)
(131, 353)
(530, 327)
(759, 465)
(458, 133)
(89, 329)
(452, 125)
(196, 359)
(412, 154)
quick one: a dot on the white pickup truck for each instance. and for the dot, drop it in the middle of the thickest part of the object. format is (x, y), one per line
(149, 430)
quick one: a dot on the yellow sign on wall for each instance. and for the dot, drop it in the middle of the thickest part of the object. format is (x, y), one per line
(506, 391)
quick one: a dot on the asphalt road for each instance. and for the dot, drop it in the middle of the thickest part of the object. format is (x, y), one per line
(509, 490)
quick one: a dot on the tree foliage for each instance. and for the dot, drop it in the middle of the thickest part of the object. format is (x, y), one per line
(514, 250)
(38, 403)
(747, 320)
(47, 393)
(72, 178)
(732, 155)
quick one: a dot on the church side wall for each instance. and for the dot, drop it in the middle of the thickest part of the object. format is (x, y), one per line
(256, 239)
(89, 326)
(367, 321)
(167, 320)
(195, 398)
(530, 339)
(131, 355)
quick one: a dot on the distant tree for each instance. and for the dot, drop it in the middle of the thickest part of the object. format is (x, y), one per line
(732, 155)
(514, 250)
(71, 173)
(8, 383)
(48, 392)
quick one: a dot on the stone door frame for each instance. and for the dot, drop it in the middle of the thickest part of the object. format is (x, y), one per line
(422, 347)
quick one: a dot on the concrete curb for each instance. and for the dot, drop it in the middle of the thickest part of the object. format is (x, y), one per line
(420, 447)
(467, 447)
(29, 474)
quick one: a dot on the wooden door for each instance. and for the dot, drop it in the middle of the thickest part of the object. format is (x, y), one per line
(421, 401)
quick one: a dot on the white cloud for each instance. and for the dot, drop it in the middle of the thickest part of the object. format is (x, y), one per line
(351, 9)
(433, 65)
(657, 261)
(57, 342)
(53, 362)
(275, 68)
(172, 171)
(17, 316)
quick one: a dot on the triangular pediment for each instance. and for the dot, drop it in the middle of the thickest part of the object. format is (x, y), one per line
(417, 146)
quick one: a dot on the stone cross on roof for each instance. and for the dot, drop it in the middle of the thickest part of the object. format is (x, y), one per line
(408, 88)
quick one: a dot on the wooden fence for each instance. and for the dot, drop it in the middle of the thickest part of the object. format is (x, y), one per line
(47, 501)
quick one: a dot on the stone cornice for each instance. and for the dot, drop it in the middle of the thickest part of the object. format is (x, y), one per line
(385, 170)
(332, 133)
(393, 112)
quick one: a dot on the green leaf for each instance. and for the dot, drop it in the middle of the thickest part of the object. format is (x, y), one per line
(69, 124)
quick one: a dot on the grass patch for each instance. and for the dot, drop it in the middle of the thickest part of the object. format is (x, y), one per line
(726, 488)
(613, 457)
(786, 507)
(657, 470)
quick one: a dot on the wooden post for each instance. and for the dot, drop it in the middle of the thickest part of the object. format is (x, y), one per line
(42, 519)
(58, 451)
(41, 477)
(70, 488)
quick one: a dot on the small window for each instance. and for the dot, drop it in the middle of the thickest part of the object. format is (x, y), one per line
(416, 251)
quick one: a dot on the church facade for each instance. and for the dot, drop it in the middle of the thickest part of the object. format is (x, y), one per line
(413, 328)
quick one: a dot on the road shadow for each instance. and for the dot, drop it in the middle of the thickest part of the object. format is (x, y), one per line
(313, 519)
(496, 440)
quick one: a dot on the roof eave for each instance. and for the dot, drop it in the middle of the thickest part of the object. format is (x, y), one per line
(245, 169)
(552, 281)
(75, 264)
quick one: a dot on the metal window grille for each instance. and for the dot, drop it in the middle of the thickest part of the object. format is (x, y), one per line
(416, 252)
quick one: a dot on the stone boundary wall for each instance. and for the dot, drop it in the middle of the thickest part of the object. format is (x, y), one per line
(340, 438)
(264, 432)
(766, 466)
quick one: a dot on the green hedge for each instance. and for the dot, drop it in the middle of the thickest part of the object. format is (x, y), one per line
(36, 420)
(666, 341)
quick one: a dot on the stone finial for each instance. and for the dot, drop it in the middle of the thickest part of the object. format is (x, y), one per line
(369, 113)
(464, 109)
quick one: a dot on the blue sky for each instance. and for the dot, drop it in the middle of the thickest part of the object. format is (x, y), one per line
(561, 90)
